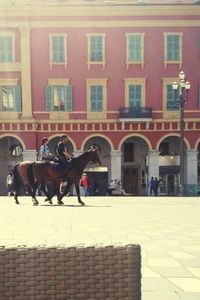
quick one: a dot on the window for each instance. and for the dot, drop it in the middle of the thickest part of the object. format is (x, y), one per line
(96, 98)
(170, 97)
(199, 45)
(135, 95)
(10, 98)
(6, 48)
(173, 48)
(16, 150)
(58, 49)
(128, 152)
(199, 95)
(58, 98)
(172, 103)
(164, 148)
(135, 92)
(96, 49)
(135, 48)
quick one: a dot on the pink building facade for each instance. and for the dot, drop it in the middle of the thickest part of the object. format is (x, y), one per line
(102, 73)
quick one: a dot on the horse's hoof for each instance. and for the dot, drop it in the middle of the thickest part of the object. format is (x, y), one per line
(82, 204)
(17, 202)
(46, 200)
(35, 204)
(60, 202)
(50, 202)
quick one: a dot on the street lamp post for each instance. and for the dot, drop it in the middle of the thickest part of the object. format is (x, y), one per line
(182, 87)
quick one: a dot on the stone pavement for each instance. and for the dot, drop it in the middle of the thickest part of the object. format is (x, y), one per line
(168, 230)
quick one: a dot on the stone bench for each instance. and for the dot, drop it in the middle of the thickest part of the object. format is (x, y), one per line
(60, 273)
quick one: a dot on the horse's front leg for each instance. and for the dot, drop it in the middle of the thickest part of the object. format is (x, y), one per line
(32, 191)
(16, 194)
(62, 192)
(46, 193)
(78, 193)
(65, 191)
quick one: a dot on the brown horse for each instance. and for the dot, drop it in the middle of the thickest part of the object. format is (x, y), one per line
(21, 180)
(41, 173)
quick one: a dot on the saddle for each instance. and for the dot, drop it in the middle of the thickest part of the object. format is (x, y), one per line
(64, 167)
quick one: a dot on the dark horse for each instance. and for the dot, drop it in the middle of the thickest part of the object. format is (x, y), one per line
(38, 174)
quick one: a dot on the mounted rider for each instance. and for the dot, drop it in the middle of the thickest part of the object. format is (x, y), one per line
(44, 154)
(63, 154)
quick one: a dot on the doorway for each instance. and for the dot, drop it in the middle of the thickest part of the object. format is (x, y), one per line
(130, 180)
(168, 184)
(171, 185)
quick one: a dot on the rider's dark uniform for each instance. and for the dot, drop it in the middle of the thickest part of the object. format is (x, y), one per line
(64, 162)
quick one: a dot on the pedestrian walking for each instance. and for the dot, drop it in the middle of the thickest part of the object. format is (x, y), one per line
(152, 185)
(85, 184)
(156, 186)
(9, 183)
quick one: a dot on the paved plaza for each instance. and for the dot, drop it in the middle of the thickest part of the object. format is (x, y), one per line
(168, 230)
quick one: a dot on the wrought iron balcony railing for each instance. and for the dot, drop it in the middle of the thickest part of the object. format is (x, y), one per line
(135, 113)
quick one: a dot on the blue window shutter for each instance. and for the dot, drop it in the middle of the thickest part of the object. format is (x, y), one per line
(18, 99)
(68, 98)
(199, 94)
(49, 95)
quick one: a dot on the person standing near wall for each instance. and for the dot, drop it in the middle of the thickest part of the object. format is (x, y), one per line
(112, 187)
(156, 186)
(152, 185)
(9, 183)
(85, 184)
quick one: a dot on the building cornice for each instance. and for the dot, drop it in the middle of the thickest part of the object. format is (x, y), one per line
(101, 24)
(100, 10)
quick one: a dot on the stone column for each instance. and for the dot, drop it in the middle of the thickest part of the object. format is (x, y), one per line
(26, 72)
(116, 164)
(153, 164)
(29, 155)
(191, 167)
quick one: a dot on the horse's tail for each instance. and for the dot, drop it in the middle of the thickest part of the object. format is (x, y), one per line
(30, 174)
(16, 179)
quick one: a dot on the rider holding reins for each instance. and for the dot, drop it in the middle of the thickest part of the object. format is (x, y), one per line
(62, 153)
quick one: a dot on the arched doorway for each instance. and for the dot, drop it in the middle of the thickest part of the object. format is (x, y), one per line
(10, 153)
(99, 176)
(134, 175)
(169, 165)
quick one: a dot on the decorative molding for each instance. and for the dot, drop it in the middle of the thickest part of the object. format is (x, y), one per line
(101, 23)
(8, 81)
(58, 115)
(10, 67)
(12, 124)
(9, 115)
(98, 10)
(58, 81)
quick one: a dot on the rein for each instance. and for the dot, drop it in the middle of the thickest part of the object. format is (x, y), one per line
(82, 160)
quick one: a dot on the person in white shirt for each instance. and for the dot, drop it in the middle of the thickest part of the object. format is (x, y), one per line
(112, 187)
(9, 183)
(44, 153)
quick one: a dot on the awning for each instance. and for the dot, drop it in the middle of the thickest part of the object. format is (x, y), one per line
(96, 169)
